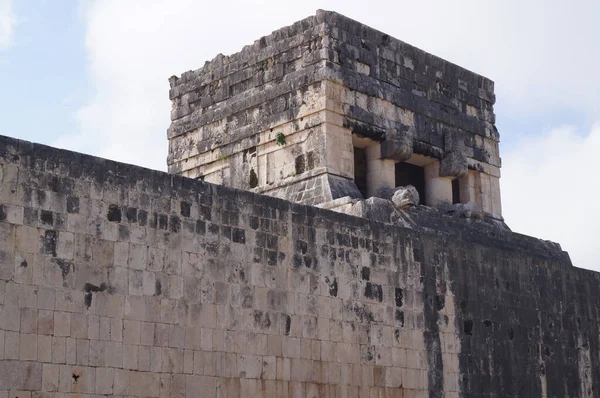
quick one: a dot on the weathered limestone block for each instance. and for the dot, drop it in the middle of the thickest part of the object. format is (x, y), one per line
(464, 210)
(398, 145)
(20, 375)
(405, 196)
(454, 161)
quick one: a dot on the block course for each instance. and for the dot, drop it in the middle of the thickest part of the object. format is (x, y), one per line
(121, 281)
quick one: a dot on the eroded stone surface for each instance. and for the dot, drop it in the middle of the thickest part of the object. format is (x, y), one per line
(177, 287)
(405, 196)
(285, 115)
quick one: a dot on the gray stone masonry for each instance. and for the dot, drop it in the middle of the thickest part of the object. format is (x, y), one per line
(125, 282)
(286, 115)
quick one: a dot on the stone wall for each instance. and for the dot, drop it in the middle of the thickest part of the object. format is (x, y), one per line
(122, 281)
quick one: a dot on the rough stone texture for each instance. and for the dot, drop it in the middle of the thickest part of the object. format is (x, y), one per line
(155, 285)
(286, 112)
(405, 196)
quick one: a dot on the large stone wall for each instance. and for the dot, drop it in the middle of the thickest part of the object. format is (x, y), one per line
(122, 281)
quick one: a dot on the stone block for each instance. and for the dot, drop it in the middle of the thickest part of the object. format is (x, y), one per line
(121, 382)
(11, 345)
(28, 347)
(71, 351)
(20, 375)
(131, 332)
(83, 349)
(249, 366)
(62, 324)
(116, 329)
(105, 378)
(113, 354)
(197, 386)
(130, 356)
(44, 348)
(50, 377)
(144, 358)
(143, 384)
(79, 326)
(398, 144)
(10, 318)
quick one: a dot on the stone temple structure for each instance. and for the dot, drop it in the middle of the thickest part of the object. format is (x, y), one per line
(119, 281)
(330, 109)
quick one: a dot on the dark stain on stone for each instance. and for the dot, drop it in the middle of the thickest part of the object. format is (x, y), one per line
(333, 286)
(262, 319)
(361, 312)
(200, 227)
(65, 267)
(399, 316)
(158, 288)
(299, 164)
(468, 327)
(288, 324)
(238, 235)
(46, 217)
(72, 205)
(114, 213)
(398, 296)
(185, 209)
(163, 221)
(49, 242)
(175, 224)
(89, 289)
(253, 181)
(254, 223)
(131, 214)
(142, 218)
(365, 273)
(310, 160)
(463, 308)
(24, 264)
(2, 212)
(369, 356)
(123, 233)
(440, 302)
(374, 291)
(301, 246)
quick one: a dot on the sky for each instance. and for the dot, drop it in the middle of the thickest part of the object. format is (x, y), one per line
(91, 76)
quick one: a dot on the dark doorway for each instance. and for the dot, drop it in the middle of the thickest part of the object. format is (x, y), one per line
(409, 174)
(455, 191)
(360, 170)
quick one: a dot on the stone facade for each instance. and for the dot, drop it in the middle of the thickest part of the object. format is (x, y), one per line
(294, 114)
(121, 281)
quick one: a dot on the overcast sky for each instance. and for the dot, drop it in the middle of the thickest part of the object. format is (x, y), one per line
(92, 76)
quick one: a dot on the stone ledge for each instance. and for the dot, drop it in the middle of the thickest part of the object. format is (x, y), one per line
(78, 165)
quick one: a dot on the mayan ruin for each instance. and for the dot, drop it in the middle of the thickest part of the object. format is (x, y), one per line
(330, 226)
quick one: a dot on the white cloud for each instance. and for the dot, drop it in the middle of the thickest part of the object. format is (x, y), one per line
(7, 23)
(551, 190)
